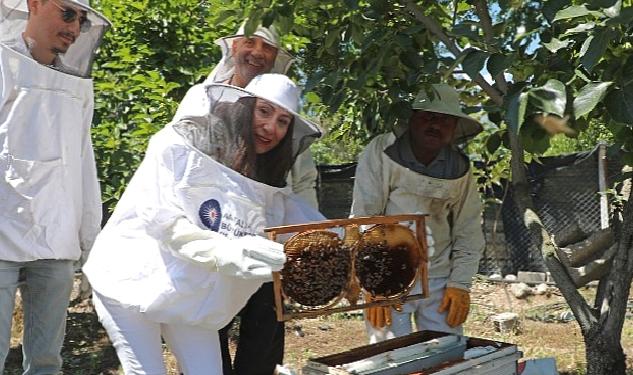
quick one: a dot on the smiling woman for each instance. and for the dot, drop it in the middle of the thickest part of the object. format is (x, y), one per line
(185, 249)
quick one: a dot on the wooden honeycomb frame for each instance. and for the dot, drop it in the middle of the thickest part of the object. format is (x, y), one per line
(422, 272)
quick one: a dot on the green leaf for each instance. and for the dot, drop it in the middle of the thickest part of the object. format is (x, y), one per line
(312, 98)
(614, 10)
(593, 48)
(624, 18)
(466, 29)
(551, 7)
(269, 17)
(332, 36)
(550, 98)
(619, 104)
(493, 142)
(555, 44)
(574, 11)
(497, 63)
(352, 4)
(582, 28)
(589, 96)
(474, 62)
(603, 3)
(516, 104)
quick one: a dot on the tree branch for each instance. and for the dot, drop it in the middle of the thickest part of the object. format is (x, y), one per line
(436, 29)
(572, 233)
(485, 21)
(591, 248)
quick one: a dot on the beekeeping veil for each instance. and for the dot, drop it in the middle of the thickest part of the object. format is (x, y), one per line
(225, 68)
(445, 100)
(78, 59)
(226, 133)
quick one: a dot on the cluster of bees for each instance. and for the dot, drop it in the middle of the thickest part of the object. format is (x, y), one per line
(318, 273)
(383, 271)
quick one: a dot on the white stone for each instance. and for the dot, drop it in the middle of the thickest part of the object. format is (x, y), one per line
(520, 290)
(506, 321)
(541, 289)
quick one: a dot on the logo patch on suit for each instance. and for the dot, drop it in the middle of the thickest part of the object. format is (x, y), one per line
(211, 214)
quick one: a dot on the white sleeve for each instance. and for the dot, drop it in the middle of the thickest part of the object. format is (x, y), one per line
(371, 185)
(467, 236)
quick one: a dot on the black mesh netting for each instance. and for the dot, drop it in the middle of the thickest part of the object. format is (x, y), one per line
(565, 190)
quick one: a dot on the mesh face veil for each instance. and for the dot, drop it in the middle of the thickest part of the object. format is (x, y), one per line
(225, 68)
(227, 133)
(78, 59)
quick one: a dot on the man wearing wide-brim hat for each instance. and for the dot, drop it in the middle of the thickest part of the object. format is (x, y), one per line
(50, 203)
(422, 171)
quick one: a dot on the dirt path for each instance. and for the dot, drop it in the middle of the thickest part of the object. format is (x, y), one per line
(87, 350)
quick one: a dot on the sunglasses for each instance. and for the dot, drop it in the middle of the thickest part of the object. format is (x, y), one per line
(70, 15)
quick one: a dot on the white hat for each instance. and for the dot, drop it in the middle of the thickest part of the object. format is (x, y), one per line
(79, 57)
(445, 100)
(224, 69)
(279, 90)
(22, 6)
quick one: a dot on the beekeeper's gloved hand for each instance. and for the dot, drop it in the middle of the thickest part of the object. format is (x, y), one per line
(378, 317)
(457, 302)
(250, 257)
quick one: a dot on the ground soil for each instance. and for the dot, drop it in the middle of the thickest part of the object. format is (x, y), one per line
(542, 332)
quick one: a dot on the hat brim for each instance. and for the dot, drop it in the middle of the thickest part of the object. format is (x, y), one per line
(303, 127)
(467, 127)
(22, 6)
(89, 9)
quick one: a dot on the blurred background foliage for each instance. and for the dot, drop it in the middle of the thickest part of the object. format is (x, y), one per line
(361, 61)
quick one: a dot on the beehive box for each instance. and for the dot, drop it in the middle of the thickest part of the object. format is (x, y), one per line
(422, 353)
(325, 273)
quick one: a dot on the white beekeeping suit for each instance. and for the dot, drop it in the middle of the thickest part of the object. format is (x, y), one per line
(50, 188)
(388, 182)
(185, 243)
(50, 203)
(303, 175)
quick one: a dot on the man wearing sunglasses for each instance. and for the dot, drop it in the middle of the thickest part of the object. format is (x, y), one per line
(50, 203)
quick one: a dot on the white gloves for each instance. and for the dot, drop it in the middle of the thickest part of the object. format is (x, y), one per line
(250, 257)
(430, 242)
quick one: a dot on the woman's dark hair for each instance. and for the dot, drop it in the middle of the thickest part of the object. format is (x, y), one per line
(271, 167)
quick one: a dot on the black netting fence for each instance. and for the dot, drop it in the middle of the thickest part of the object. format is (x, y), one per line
(565, 190)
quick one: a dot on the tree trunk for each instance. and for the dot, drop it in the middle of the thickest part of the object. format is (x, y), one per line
(604, 353)
(601, 326)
